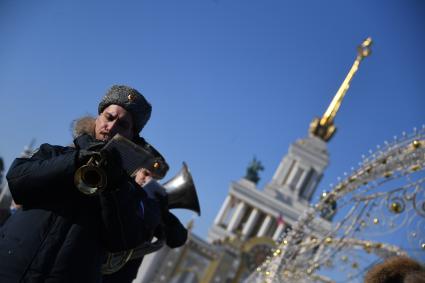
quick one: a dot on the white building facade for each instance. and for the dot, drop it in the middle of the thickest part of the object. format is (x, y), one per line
(248, 225)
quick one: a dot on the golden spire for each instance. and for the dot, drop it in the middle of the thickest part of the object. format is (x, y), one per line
(324, 127)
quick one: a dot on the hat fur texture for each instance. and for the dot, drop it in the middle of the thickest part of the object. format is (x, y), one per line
(132, 101)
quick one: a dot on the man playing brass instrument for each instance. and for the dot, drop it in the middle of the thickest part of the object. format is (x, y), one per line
(61, 234)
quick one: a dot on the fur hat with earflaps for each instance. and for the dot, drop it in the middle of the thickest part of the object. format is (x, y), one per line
(131, 100)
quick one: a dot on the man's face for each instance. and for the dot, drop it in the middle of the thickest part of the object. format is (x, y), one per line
(114, 120)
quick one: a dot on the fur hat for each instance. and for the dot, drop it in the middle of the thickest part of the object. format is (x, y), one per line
(132, 101)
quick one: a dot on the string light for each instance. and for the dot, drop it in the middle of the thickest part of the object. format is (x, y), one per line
(362, 199)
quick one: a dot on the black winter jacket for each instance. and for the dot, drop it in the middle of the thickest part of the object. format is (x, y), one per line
(61, 235)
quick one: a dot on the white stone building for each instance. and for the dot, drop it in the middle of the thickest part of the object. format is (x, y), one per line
(248, 225)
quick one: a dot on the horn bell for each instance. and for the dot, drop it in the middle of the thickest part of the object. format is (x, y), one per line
(181, 191)
(89, 179)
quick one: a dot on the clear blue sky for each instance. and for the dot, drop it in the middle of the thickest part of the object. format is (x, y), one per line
(228, 79)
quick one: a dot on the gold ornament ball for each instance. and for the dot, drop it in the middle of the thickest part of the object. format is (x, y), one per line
(396, 207)
(416, 143)
(368, 247)
(415, 167)
(378, 245)
(388, 174)
(309, 271)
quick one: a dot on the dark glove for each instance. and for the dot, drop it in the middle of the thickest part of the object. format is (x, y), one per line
(87, 147)
(87, 142)
(175, 232)
(84, 156)
(111, 163)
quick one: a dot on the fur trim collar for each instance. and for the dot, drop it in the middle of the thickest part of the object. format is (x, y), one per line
(83, 125)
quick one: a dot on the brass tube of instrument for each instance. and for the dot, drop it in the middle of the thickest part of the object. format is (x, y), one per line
(90, 178)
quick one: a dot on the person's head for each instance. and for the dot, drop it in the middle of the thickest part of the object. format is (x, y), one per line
(123, 110)
(397, 269)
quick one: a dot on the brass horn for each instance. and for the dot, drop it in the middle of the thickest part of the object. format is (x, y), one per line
(91, 177)
(181, 193)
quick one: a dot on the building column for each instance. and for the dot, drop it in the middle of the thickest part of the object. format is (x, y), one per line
(278, 231)
(250, 223)
(265, 226)
(224, 208)
(234, 222)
